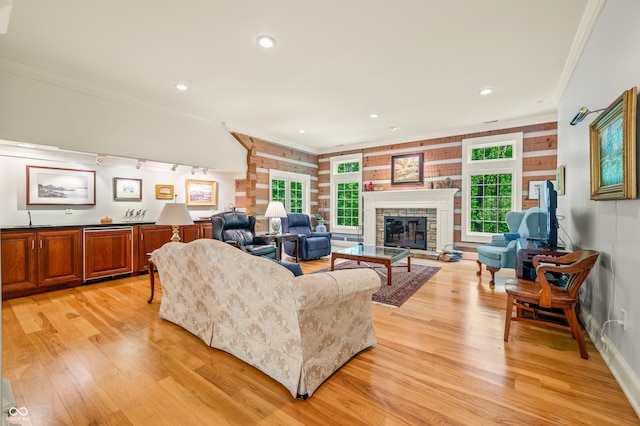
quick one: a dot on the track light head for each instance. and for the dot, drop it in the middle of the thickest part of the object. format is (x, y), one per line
(174, 167)
(193, 170)
(98, 160)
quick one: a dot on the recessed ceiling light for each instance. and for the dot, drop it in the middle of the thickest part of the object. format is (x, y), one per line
(374, 115)
(392, 128)
(181, 86)
(266, 41)
(486, 91)
(302, 131)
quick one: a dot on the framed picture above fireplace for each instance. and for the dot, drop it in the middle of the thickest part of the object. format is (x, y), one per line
(407, 168)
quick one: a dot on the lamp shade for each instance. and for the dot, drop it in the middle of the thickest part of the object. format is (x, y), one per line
(275, 209)
(174, 214)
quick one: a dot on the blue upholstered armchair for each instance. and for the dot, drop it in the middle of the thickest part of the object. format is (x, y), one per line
(312, 245)
(501, 252)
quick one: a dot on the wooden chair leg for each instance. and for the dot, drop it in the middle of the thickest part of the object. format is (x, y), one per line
(572, 319)
(479, 267)
(493, 271)
(507, 318)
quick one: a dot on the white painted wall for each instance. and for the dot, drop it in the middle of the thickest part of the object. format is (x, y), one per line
(13, 209)
(49, 110)
(609, 65)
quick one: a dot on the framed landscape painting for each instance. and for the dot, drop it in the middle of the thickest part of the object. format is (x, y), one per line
(613, 150)
(164, 192)
(56, 186)
(201, 192)
(126, 189)
(406, 168)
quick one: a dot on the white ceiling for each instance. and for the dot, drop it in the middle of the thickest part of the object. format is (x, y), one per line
(418, 63)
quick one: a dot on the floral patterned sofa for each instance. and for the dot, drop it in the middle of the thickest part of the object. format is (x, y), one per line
(298, 330)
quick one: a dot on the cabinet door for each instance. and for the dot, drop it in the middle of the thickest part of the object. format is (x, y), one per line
(59, 256)
(19, 263)
(206, 230)
(107, 253)
(151, 237)
(189, 233)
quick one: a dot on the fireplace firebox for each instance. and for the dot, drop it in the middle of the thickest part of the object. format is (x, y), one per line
(405, 231)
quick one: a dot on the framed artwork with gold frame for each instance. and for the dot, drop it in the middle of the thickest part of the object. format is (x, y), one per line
(613, 150)
(201, 192)
(164, 192)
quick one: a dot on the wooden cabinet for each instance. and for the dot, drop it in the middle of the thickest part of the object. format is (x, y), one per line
(36, 261)
(189, 233)
(149, 238)
(107, 252)
(206, 229)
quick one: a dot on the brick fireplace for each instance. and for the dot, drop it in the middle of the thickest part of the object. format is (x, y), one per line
(435, 204)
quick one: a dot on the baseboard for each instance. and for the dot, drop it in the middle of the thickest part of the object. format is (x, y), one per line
(625, 377)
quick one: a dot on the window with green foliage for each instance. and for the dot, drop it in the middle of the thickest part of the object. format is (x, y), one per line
(491, 183)
(492, 153)
(346, 180)
(348, 201)
(491, 196)
(351, 167)
(293, 190)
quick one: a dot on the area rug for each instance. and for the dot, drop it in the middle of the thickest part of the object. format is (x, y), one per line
(403, 284)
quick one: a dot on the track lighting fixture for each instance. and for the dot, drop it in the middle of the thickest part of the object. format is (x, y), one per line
(139, 164)
(193, 170)
(204, 171)
(174, 167)
(582, 113)
(98, 159)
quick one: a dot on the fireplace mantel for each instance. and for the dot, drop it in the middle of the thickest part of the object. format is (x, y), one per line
(439, 199)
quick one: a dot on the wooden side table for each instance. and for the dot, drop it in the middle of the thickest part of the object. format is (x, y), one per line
(527, 249)
(280, 238)
(152, 278)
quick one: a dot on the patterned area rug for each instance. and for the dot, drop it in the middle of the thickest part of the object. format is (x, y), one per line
(403, 283)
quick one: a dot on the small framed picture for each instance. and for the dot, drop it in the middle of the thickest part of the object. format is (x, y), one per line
(126, 189)
(201, 192)
(164, 192)
(406, 168)
(560, 180)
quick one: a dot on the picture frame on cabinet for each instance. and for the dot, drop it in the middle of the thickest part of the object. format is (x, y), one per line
(201, 192)
(127, 189)
(48, 186)
(407, 168)
(612, 138)
(164, 192)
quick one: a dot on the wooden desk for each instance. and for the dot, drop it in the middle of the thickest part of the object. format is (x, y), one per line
(527, 249)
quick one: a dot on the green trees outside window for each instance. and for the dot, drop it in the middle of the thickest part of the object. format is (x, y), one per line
(348, 203)
(491, 196)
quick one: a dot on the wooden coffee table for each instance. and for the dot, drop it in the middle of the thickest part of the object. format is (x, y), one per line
(373, 254)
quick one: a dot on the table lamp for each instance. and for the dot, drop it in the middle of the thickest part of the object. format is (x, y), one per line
(175, 214)
(275, 210)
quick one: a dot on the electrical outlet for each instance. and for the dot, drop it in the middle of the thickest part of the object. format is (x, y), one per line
(623, 318)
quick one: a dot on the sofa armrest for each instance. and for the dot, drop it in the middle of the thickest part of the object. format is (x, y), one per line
(328, 288)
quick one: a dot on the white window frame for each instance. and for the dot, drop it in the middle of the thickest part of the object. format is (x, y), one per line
(293, 177)
(497, 166)
(337, 178)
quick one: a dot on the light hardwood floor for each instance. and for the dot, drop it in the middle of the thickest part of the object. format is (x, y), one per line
(99, 354)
